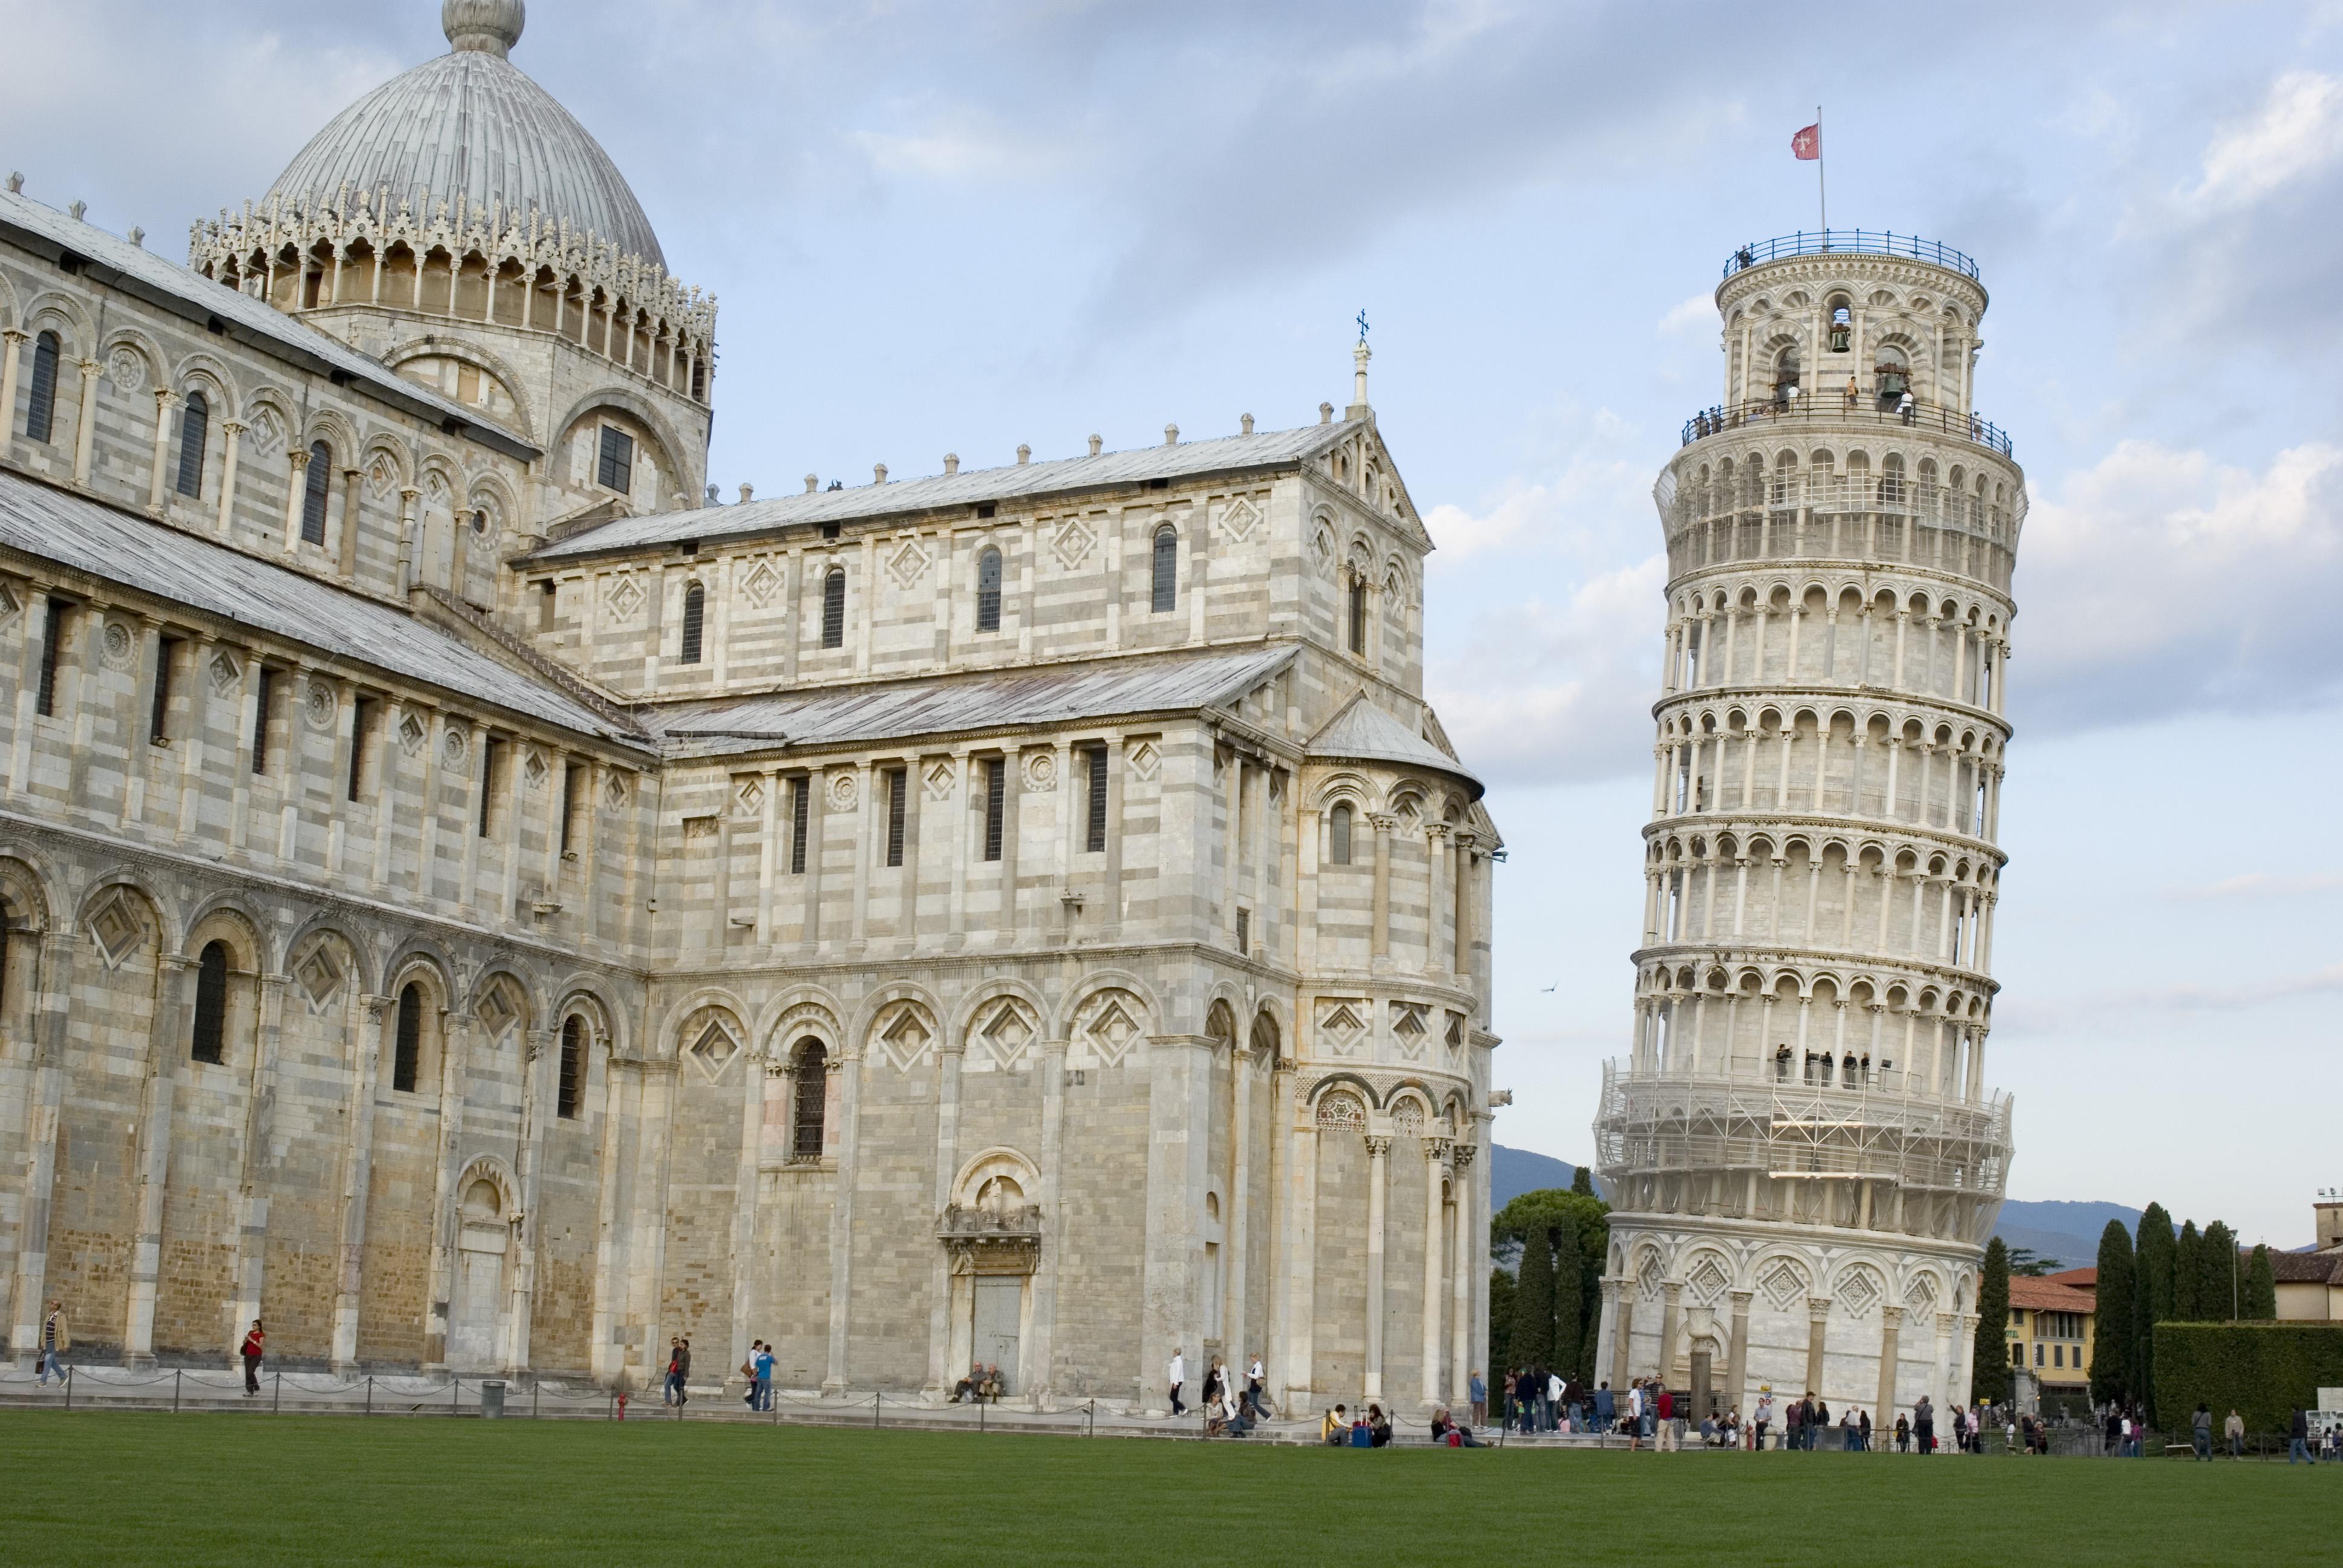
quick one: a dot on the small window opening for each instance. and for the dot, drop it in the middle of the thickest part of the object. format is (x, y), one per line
(195, 432)
(988, 591)
(40, 414)
(695, 614)
(492, 775)
(996, 801)
(1245, 930)
(407, 1057)
(158, 722)
(613, 468)
(548, 601)
(52, 637)
(572, 1088)
(317, 485)
(899, 790)
(800, 812)
(1167, 571)
(833, 607)
(261, 713)
(569, 802)
(1357, 616)
(1094, 838)
(211, 1042)
(1339, 824)
(361, 732)
(809, 1084)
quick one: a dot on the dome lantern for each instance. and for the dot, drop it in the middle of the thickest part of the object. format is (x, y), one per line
(483, 26)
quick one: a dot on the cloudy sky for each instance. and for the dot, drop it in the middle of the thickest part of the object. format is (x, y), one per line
(959, 227)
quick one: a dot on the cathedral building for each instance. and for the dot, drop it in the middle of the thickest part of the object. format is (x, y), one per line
(480, 905)
(1802, 1154)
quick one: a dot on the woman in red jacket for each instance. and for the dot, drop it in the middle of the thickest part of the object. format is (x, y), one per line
(251, 1351)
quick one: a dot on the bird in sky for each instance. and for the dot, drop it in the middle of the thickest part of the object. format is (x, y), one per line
(1548, 989)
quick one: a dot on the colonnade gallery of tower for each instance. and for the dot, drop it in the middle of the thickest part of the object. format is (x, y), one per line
(478, 903)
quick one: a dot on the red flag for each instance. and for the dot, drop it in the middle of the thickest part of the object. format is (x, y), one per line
(1808, 145)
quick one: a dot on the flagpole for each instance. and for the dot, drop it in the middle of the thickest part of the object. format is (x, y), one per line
(1822, 180)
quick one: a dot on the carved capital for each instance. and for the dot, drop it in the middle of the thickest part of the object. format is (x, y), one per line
(1377, 1146)
(1464, 1153)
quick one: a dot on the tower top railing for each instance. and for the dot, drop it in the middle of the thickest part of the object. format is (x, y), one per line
(1855, 241)
(1866, 408)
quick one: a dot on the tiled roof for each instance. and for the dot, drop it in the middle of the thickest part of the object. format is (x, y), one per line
(2082, 1279)
(2306, 1268)
(169, 286)
(1365, 732)
(2043, 1295)
(946, 704)
(83, 535)
(1269, 448)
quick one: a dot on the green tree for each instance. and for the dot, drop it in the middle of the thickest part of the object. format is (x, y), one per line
(2220, 1278)
(1531, 1340)
(2026, 1263)
(2261, 1289)
(2188, 1277)
(1989, 1380)
(2151, 1298)
(1582, 1181)
(1501, 1328)
(1569, 1301)
(2113, 1329)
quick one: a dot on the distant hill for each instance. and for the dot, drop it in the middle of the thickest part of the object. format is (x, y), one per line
(2067, 1231)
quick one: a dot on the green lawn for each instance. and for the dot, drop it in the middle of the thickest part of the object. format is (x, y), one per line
(197, 1488)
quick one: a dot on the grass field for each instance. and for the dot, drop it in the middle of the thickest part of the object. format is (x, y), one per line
(78, 1489)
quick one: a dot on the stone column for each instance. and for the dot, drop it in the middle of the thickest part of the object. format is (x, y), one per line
(1817, 1329)
(1883, 1409)
(1435, 1150)
(747, 1270)
(607, 1355)
(11, 351)
(157, 484)
(1623, 1334)
(253, 1190)
(296, 458)
(947, 1165)
(1736, 1368)
(866, 843)
(1039, 1359)
(1964, 1361)
(1671, 1318)
(1940, 1374)
(841, 1213)
(371, 1037)
(231, 439)
(174, 977)
(1378, 1148)
(455, 1038)
(86, 427)
(1436, 866)
(1465, 969)
(407, 495)
(1383, 826)
(1179, 1076)
(349, 540)
(1300, 1267)
(44, 1097)
(1461, 1272)
(1235, 1331)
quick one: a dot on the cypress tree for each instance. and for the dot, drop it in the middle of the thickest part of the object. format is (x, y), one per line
(1569, 1319)
(1531, 1340)
(2112, 1328)
(1501, 1330)
(1582, 1181)
(1990, 1379)
(2261, 1287)
(2220, 1281)
(2188, 1277)
(2151, 1299)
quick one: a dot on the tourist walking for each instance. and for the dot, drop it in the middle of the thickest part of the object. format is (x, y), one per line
(1764, 1417)
(1479, 1393)
(1175, 1374)
(1606, 1407)
(2201, 1431)
(255, 1343)
(1903, 1435)
(2297, 1433)
(54, 1343)
(1254, 1375)
(678, 1371)
(1924, 1426)
(1667, 1414)
(764, 1364)
(2233, 1429)
(1553, 1402)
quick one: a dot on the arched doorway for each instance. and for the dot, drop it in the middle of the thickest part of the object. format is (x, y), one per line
(475, 1317)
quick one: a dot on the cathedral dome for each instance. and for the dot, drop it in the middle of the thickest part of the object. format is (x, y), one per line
(472, 124)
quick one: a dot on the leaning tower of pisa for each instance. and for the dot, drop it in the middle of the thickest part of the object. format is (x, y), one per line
(1802, 1150)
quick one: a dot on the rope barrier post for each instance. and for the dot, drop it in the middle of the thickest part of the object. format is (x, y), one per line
(176, 1376)
(1093, 1419)
(69, 1371)
(874, 1412)
(369, 1403)
(535, 1398)
(277, 1393)
(455, 1394)
(980, 1413)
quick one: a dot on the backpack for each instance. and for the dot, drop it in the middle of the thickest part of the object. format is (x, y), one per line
(1455, 1440)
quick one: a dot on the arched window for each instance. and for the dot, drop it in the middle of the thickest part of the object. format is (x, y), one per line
(1338, 823)
(1167, 571)
(40, 416)
(834, 608)
(407, 1059)
(1358, 615)
(695, 615)
(320, 484)
(573, 1068)
(988, 591)
(810, 1084)
(194, 430)
(1841, 326)
(1785, 374)
(211, 1004)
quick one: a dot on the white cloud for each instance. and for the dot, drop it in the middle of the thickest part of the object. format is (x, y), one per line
(2261, 885)
(2298, 132)
(2162, 581)
(1700, 310)
(1552, 691)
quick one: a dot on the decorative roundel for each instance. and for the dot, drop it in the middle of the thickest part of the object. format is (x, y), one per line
(841, 791)
(125, 371)
(1041, 772)
(117, 644)
(452, 749)
(322, 706)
